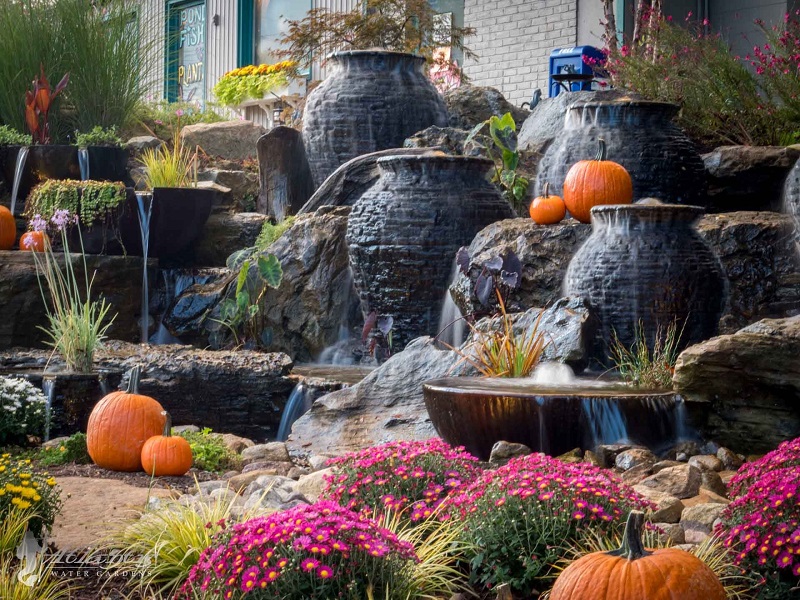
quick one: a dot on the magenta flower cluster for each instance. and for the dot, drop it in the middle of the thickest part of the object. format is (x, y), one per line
(524, 516)
(317, 551)
(762, 525)
(414, 477)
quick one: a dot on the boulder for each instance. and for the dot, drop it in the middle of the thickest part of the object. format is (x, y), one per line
(469, 105)
(273, 452)
(759, 255)
(543, 250)
(387, 405)
(667, 508)
(744, 388)
(286, 182)
(682, 482)
(236, 443)
(504, 451)
(232, 140)
(312, 485)
(117, 278)
(672, 533)
(706, 462)
(698, 521)
(447, 139)
(187, 307)
(665, 464)
(634, 457)
(224, 234)
(138, 144)
(607, 453)
(748, 177)
(349, 182)
(730, 460)
(243, 186)
(711, 480)
(241, 392)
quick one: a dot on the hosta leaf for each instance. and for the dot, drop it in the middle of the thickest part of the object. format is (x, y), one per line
(269, 267)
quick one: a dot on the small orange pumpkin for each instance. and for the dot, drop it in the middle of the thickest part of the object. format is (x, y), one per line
(547, 209)
(119, 426)
(633, 573)
(166, 454)
(8, 229)
(33, 241)
(594, 182)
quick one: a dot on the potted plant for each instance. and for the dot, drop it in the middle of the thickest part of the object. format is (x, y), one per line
(101, 155)
(254, 82)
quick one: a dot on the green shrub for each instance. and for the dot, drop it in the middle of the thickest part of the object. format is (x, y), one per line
(645, 368)
(71, 450)
(209, 451)
(22, 410)
(272, 231)
(11, 137)
(162, 118)
(92, 201)
(98, 136)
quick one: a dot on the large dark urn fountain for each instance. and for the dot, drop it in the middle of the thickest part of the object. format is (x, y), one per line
(645, 264)
(791, 194)
(371, 100)
(642, 137)
(405, 231)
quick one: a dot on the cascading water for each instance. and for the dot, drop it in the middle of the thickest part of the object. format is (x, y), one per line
(144, 227)
(19, 168)
(451, 322)
(49, 389)
(83, 163)
(299, 403)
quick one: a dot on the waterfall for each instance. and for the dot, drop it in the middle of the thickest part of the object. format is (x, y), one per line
(606, 422)
(452, 327)
(22, 156)
(144, 227)
(83, 163)
(49, 389)
(299, 403)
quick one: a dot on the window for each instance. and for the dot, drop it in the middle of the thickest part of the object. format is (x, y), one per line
(186, 36)
(271, 23)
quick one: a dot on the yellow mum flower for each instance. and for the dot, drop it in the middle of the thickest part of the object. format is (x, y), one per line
(36, 498)
(2, 492)
(24, 504)
(51, 482)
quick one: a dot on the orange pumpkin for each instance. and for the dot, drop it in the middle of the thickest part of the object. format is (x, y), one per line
(33, 241)
(8, 229)
(547, 209)
(633, 573)
(594, 182)
(166, 454)
(119, 426)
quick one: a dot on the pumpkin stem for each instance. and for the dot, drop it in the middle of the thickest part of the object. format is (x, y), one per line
(546, 189)
(167, 424)
(601, 150)
(632, 547)
(133, 380)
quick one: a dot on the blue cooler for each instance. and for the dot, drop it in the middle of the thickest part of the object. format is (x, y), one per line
(570, 70)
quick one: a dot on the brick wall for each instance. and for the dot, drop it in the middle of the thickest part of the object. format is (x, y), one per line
(514, 40)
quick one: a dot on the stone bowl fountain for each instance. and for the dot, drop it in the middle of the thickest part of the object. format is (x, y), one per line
(642, 137)
(477, 412)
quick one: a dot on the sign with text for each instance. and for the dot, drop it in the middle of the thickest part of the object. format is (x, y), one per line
(191, 52)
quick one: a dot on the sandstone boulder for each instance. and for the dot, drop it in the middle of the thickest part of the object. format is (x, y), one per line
(233, 140)
(634, 458)
(668, 509)
(682, 482)
(504, 451)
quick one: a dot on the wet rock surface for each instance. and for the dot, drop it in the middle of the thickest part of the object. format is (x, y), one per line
(469, 105)
(285, 177)
(745, 387)
(224, 234)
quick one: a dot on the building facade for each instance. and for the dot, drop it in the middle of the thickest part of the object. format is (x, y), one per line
(194, 42)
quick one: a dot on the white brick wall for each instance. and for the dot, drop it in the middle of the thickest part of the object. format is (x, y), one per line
(514, 40)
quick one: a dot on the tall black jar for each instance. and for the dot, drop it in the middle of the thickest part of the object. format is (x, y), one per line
(404, 233)
(641, 136)
(645, 264)
(371, 100)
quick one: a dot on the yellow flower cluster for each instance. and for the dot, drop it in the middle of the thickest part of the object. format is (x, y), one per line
(283, 66)
(22, 487)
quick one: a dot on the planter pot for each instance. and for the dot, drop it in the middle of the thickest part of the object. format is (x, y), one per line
(477, 412)
(106, 237)
(404, 232)
(646, 264)
(108, 163)
(641, 136)
(371, 100)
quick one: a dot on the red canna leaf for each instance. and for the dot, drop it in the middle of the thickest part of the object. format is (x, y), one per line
(32, 120)
(61, 84)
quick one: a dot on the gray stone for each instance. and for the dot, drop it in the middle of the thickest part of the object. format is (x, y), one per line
(54, 442)
(665, 464)
(637, 474)
(138, 144)
(387, 405)
(748, 177)
(607, 453)
(232, 140)
(504, 451)
(681, 482)
(705, 462)
(235, 443)
(633, 458)
(711, 480)
(225, 495)
(298, 472)
(668, 509)
(272, 452)
(312, 485)
(672, 533)
(273, 467)
(746, 386)
(206, 487)
(185, 429)
(446, 139)
(243, 186)
(244, 480)
(318, 462)
(286, 182)
(698, 521)
(469, 105)
(186, 313)
(348, 183)
(729, 458)
(224, 234)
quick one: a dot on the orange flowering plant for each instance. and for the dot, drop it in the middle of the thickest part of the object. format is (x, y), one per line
(253, 82)
(38, 102)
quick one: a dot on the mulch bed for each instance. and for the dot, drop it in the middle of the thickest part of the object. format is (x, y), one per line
(139, 479)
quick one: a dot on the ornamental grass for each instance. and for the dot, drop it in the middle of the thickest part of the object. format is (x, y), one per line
(314, 552)
(412, 478)
(524, 516)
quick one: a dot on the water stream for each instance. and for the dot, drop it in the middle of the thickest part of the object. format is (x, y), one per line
(144, 227)
(299, 403)
(452, 327)
(83, 163)
(49, 389)
(19, 168)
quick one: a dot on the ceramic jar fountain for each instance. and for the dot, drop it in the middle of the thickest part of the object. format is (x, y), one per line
(791, 194)
(645, 263)
(642, 137)
(371, 100)
(404, 233)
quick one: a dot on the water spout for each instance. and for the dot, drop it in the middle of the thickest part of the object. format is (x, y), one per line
(49, 389)
(299, 403)
(22, 156)
(144, 228)
(83, 163)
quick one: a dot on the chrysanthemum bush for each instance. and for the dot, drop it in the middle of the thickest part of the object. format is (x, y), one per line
(22, 410)
(22, 487)
(315, 552)
(412, 477)
(253, 82)
(762, 524)
(524, 516)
